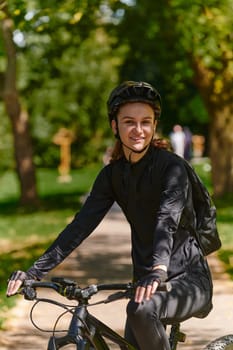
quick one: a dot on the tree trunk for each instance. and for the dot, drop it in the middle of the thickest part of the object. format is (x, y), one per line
(19, 121)
(217, 95)
(221, 151)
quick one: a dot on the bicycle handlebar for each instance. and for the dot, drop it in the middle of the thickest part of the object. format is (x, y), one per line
(69, 289)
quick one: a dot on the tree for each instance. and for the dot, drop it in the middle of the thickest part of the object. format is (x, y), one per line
(18, 117)
(63, 64)
(186, 46)
(211, 56)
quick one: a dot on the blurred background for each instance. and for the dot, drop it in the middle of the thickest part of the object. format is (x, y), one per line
(58, 62)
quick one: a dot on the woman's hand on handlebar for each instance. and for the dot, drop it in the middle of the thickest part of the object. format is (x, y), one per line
(145, 292)
(148, 284)
(15, 281)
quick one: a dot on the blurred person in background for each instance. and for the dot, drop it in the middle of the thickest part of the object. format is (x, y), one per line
(188, 143)
(177, 138)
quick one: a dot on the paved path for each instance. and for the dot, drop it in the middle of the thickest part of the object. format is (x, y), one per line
(105, 257)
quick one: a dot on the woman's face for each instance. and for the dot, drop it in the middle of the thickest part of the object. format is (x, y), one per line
(136, 126)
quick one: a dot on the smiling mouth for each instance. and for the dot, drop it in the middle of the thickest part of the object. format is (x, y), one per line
(137, 139)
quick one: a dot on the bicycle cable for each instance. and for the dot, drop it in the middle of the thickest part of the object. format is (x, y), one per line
(56, 323)
(68, 309)
(62, 314)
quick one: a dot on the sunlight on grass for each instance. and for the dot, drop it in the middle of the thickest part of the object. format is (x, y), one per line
(225, 231)
(9, 186)
(59, 202)
(39, 224)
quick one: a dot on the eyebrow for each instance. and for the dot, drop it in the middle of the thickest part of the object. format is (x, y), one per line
(130, 117)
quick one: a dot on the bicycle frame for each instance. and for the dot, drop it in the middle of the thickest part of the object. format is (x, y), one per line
(87, 332)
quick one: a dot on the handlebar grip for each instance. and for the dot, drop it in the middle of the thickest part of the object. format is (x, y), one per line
(164, 287)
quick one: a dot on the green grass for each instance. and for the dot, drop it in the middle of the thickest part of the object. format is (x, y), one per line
(58, 201)
(225, 227)
(203, 170)
(24, 235)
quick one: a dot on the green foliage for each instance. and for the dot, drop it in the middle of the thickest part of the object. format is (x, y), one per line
(195, 114)
(172, 35)
(69, 54)
(209, 37)
(66, 69)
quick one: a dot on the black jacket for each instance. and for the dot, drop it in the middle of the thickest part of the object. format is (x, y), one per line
(153, 194)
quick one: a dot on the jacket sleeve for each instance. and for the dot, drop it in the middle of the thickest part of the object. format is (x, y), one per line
(92, 212)
(173, 200)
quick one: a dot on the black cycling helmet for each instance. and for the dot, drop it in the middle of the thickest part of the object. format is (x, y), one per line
(133, 91)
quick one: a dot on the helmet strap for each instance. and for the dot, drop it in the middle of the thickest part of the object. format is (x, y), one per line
(134, 151)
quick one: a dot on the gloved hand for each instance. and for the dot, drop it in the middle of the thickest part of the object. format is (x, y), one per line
(148, 284)
(15, 280)
(157, 275)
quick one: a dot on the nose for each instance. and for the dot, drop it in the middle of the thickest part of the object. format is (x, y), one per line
(138, 127)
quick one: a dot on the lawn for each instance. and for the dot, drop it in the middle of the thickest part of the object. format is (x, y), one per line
(59, 201)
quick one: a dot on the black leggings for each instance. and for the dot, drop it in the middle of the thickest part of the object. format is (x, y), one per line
(145, 321)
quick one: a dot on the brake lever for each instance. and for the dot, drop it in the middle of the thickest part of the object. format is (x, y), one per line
(117, 296)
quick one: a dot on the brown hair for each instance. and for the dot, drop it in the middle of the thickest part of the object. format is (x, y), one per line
(117, 151)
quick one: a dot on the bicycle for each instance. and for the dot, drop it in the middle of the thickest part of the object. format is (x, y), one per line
(85, 331)
(223, 343)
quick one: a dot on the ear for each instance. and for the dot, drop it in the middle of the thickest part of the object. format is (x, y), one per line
(114, 126)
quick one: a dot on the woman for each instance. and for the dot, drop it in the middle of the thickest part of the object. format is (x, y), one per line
(151, 186)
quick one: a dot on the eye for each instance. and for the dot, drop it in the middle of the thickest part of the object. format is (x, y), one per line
(147, 122)
(129, 122)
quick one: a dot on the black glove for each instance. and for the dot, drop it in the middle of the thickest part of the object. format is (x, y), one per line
(157, 275)
(20, 275)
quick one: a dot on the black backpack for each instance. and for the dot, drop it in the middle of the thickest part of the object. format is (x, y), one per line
(206, 231)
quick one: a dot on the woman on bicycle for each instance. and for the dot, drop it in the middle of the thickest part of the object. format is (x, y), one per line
(151, 186)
